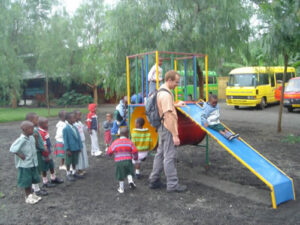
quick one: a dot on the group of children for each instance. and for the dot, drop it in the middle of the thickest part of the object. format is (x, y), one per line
(33, 156)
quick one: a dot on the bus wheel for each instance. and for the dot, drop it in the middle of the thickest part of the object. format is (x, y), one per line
(236, 107)
(262, 104)
(290, 109)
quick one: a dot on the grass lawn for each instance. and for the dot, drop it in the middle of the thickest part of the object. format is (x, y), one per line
(9, 114)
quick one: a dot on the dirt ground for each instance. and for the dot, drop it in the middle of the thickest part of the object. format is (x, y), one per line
(94, 200)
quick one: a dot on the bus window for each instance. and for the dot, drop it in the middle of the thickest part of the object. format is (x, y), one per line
(242, 80)
(263, 79)
(272, 80)
(211, 80)
(279, 77)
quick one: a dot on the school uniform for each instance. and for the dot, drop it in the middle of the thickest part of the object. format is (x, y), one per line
(27, 169)
(59, 144)
(72, 142)
(48, 163)
(83, 162)
(39, 148)
(124, 151)
(92, 123)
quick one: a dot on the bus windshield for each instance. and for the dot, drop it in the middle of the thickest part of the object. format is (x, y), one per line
(293, 86)
(243, 80)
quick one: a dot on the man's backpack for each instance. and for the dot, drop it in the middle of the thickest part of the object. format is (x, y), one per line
(152, 109)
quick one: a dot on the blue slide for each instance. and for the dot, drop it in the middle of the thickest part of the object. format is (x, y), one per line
(281, 186)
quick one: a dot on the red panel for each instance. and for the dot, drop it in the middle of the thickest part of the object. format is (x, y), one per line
(189, 132)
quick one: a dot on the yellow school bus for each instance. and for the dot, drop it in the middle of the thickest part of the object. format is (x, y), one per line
(255, 86)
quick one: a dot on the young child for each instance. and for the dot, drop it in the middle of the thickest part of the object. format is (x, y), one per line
(83, 162)
(141, 138)
(26, 161)
(124, 150)
(48, 163)
(59, 145)
(93, 128)
(210, 118)
(72, 146)
(39, 145)
(107, 125)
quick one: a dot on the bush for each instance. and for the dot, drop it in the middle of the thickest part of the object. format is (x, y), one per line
(73, 98)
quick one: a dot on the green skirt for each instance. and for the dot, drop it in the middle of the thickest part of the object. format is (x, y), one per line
(123, 169)
(28, 176)
(218, 127)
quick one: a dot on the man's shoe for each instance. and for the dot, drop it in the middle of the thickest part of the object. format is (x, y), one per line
(156, 185)
(41, 193)
(179, 188)
(57, 181)
(78, 176)
(49, 185)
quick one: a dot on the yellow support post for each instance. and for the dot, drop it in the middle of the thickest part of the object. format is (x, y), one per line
(206, 78)
(128, 80)
(176, 91)
(157, 71)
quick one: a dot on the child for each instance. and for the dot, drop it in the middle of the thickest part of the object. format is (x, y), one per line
(83, 162)
(72, 146)
(141, 138)
(93, 128)
(107, 125)
(59, 145)
(210, 118)
(39, 145)
(48, 163)
(26, 161)
(123, 149)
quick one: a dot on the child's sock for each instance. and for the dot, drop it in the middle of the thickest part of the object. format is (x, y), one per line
(68, 172)
(45, 180)
(53, 177)
(121, 185)
(36, 187)
(130, 179)
(73, 171)
(137, 171)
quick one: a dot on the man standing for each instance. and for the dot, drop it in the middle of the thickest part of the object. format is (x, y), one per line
(168, 137)
(152, 76)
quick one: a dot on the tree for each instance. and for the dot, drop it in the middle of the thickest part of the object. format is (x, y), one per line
(281, 34)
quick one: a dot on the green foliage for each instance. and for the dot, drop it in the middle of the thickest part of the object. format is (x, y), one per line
(291, 139)
(18, 114)
(73, 98)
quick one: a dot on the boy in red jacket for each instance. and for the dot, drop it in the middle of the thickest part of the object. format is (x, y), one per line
(124, 150)
(93, 128)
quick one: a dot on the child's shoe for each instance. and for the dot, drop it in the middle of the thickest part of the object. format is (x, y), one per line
(30, 199)
(49, 185)
(70, 178)
(57, 181)
(38, 198)
(132, 185)
(78, 176)
(138, 176)
(41, 193)
(63, 167)
(120, 190)
(98, 153)
(236, 135)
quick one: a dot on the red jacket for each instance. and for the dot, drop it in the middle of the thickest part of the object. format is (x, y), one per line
(46, 139)
(123, 149)
(92, 121)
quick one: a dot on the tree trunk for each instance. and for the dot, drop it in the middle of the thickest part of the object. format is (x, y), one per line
(95, 94)
(14, 99)
(47, 94)
(286, 58)
(201, 81)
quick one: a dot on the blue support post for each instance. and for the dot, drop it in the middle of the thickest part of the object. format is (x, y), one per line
(146, 65)
(185, 80)
(195, 73)
(142, 76)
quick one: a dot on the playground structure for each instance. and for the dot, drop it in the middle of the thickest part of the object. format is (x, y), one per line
(192, 131)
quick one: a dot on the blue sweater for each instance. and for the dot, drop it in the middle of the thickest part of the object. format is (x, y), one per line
(72, 141)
